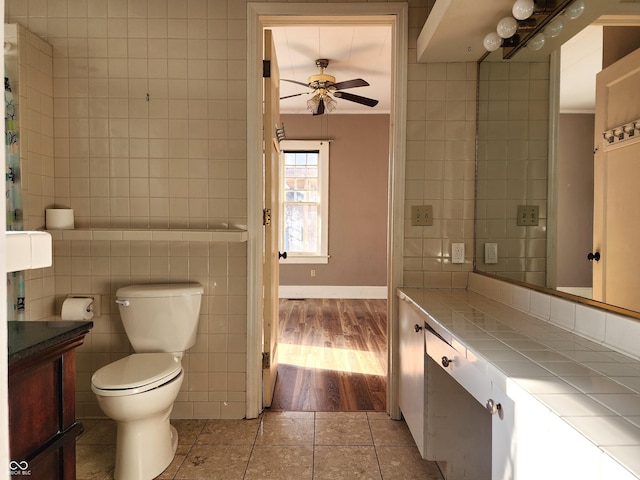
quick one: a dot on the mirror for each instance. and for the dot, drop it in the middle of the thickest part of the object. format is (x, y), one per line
(534, 181)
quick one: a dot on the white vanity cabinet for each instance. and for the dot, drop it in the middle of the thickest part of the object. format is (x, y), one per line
(412, 380)
(443, 398)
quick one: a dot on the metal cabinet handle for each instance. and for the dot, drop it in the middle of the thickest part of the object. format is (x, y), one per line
(123, 303)
(446, 361)
(417, 328)
(493, 407)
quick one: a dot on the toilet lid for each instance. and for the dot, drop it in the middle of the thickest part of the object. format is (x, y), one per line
(137, 373)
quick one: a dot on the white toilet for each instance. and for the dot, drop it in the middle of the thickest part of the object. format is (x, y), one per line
(138, 391)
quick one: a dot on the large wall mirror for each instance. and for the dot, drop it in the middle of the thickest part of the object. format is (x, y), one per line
(538, 140)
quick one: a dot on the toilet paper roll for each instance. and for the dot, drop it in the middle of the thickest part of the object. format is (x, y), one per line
(77, 308)
(59, 218)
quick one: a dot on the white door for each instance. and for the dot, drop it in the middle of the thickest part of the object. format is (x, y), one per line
(271, 208)
(616, 192)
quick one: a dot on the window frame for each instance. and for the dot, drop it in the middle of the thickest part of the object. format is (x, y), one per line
(322, 147)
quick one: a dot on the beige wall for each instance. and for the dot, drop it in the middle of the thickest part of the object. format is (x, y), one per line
(575, 200)
(358, 177)
(179, 160)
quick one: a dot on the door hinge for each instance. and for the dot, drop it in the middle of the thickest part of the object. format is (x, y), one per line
(266, 68)
(266, 360)
(266, 217)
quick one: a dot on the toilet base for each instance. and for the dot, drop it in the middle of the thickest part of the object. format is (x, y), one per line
(146, 442)
(144, 449)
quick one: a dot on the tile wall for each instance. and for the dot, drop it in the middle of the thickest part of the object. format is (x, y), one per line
(440, 171)
(614, 331)
(513, 129)
(177, 159)
(149, 107)
(29, 64)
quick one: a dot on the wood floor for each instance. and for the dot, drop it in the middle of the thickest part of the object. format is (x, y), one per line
(332, 355)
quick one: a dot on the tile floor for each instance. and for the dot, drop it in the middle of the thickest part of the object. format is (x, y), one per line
(279, 445)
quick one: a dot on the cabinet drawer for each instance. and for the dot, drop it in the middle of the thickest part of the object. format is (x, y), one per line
(456, 364)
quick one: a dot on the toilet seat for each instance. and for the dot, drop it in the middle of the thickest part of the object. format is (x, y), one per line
(135, 374)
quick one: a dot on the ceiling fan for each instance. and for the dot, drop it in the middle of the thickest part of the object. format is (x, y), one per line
(325, 90)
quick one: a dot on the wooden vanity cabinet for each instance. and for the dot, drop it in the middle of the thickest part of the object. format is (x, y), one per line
(42, 423)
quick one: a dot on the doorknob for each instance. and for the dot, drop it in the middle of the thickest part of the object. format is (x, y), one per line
(593, 256)
(282, 255)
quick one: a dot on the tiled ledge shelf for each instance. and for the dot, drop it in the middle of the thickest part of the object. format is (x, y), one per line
(227, 236)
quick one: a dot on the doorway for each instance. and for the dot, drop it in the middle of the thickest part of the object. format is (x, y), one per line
(261, 15)
(331, 309)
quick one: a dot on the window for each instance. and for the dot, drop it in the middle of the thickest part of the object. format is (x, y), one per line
(304, 200)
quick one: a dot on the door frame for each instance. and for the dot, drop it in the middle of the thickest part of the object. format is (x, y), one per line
(259, 16)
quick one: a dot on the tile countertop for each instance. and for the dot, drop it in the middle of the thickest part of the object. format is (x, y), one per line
(26, 338)
(592, 388)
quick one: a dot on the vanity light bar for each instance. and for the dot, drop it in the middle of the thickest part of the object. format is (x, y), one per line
(531, 23)
(622, 133)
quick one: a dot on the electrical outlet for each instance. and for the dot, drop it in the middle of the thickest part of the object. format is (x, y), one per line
(527, 215)
(457, 253)
(313, 272)
(490, 253)
(422, 215)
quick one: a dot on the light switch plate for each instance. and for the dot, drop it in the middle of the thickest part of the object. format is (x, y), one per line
(490, 253)
(527, 215)
(422, 215)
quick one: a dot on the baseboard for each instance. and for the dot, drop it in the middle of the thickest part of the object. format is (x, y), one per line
(332, 291)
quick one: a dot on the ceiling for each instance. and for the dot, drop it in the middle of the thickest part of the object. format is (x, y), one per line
(441, 40)
(361, 51)
(364, 51)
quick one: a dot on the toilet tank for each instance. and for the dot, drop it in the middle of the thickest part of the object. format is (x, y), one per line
(162, 317)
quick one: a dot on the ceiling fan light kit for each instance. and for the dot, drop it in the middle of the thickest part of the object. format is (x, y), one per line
(325, 90)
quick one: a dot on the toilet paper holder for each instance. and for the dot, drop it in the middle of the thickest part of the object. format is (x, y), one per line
(94, 306)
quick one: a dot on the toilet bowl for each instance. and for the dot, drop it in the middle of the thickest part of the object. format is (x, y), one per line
(146, 442)
(138, 391)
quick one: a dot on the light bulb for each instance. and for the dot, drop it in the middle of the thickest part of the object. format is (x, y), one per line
(554, 28)
(507, 27)
(574, 10)
(523, 9)
(492, 42)
(537, 42)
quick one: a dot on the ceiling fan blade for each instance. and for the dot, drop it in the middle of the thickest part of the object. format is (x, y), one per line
(294, 81)
(356, 82)
(369, 102)
(295, 95)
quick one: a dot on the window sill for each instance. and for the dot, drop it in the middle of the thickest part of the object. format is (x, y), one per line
(299, 259)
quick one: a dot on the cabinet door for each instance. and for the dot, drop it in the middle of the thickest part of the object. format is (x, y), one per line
(412, 386)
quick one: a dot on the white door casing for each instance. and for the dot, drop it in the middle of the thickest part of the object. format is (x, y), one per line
(259, 16)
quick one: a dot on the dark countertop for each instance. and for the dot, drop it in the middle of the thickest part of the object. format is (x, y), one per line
(26, 338)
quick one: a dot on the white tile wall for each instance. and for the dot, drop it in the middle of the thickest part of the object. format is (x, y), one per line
(29, 67)
(512, 168)
(440, 171)
(614, 331)
(179, 161)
